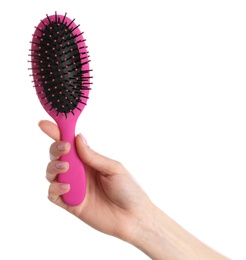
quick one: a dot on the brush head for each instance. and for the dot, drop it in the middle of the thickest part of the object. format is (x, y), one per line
(60, 65)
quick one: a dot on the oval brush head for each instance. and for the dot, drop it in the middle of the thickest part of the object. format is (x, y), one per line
(61, 76)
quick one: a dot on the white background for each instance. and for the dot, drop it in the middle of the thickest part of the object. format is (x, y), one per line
(168, 101)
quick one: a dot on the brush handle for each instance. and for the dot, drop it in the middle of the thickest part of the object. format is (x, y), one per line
(75, 176)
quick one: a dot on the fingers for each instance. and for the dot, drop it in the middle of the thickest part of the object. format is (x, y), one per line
(54, 168)
(95, 160)
(50, 129)
(57, 149)
(56, 190)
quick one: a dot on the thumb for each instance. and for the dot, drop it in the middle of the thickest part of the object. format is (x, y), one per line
(93, 159)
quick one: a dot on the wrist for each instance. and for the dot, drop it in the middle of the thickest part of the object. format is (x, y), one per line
(148, 234)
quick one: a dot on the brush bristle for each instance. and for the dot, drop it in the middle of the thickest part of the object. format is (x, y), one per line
(58, 62)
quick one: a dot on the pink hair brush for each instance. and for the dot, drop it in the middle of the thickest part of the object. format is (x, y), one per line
(61, 77)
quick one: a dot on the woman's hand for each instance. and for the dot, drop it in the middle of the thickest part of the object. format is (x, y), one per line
(114, 202)
(116, 205)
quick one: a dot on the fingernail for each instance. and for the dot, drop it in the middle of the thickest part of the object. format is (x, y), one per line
(62, 146)
(64, 186)
(61, 165)
(83, 139)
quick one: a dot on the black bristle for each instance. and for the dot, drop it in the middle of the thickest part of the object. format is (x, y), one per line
(70, 24)
(60, 64)
(48, 18)
(64, 17)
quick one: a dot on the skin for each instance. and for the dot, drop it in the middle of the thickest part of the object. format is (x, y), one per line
(114, 195)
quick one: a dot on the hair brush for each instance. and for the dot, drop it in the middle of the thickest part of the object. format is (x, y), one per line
(61, 76)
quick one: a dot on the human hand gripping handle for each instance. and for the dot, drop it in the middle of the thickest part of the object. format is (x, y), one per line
(75, 176)
(116, 205)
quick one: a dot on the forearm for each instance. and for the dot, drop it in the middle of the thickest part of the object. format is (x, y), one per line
(161, 238)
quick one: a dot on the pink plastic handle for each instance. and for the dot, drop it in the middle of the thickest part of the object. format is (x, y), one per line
(75, 176)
